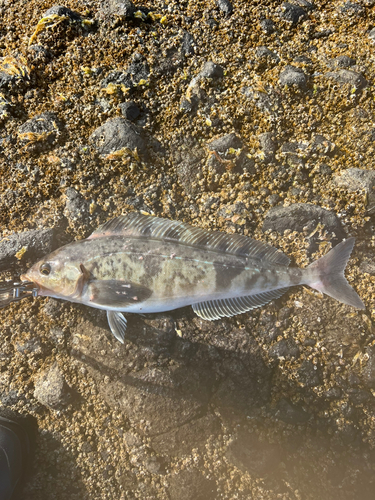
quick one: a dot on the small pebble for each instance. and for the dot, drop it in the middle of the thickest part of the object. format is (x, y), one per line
(211, 70)
(40, 132)
(352, 9)
(341, 62)
(129, 110)
(268, 145)
(117, 9)
(225, 6)
(354, 179)
(268, 26)
(222, 144)
(347, 76)
(51, 389)
(188, 45)
(292, 76)
(76, 207)
(292, 13)
(61, 11)
(303, 216)
(116, 134)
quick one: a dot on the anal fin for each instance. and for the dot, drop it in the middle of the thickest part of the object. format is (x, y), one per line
(117, 323)
(216, 309)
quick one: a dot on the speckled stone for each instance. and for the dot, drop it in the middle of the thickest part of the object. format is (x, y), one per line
(116, 134)
(343, 61)
(50, 388)
(222, 144)
(121, 9)
(268, 145)
(291, 76)
(284, 349)
(60, 10)
(129, 110)
(268, 26)
(76, 207)
(302, 216)
(211, 70)
(347, 76)
(40, 132)
(225, 6)
(356, 178)
(292, 13)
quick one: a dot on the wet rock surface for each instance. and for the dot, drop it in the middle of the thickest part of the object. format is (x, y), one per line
(256, 119)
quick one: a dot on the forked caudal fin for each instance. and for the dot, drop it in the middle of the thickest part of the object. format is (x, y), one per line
(327, 275)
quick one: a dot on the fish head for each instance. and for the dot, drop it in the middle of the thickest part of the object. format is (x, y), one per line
(55, 276)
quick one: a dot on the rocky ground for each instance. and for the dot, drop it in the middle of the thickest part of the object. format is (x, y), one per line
(248, 117)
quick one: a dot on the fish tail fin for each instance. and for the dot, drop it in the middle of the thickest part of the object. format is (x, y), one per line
(327, 275)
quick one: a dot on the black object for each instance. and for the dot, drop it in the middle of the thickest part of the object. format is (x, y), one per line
(15, 452)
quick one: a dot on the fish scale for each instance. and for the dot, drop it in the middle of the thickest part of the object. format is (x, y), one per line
(142, 264)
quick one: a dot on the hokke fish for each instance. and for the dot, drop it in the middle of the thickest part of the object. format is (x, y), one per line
(144, 264)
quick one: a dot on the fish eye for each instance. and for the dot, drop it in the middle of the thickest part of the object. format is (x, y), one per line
(45, 269)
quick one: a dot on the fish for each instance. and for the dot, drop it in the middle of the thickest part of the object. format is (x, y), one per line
(138, 263)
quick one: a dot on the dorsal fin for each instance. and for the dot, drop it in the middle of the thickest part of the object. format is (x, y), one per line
(146, 226)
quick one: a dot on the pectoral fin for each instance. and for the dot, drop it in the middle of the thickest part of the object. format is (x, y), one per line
(117, 323)
(116, 293)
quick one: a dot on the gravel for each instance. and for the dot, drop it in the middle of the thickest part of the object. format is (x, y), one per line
(261, 405)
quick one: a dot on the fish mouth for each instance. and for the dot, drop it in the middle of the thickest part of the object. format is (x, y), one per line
(25, 278)
(27, 281)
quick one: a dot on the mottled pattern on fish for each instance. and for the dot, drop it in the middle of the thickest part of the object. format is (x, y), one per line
(145, 264)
